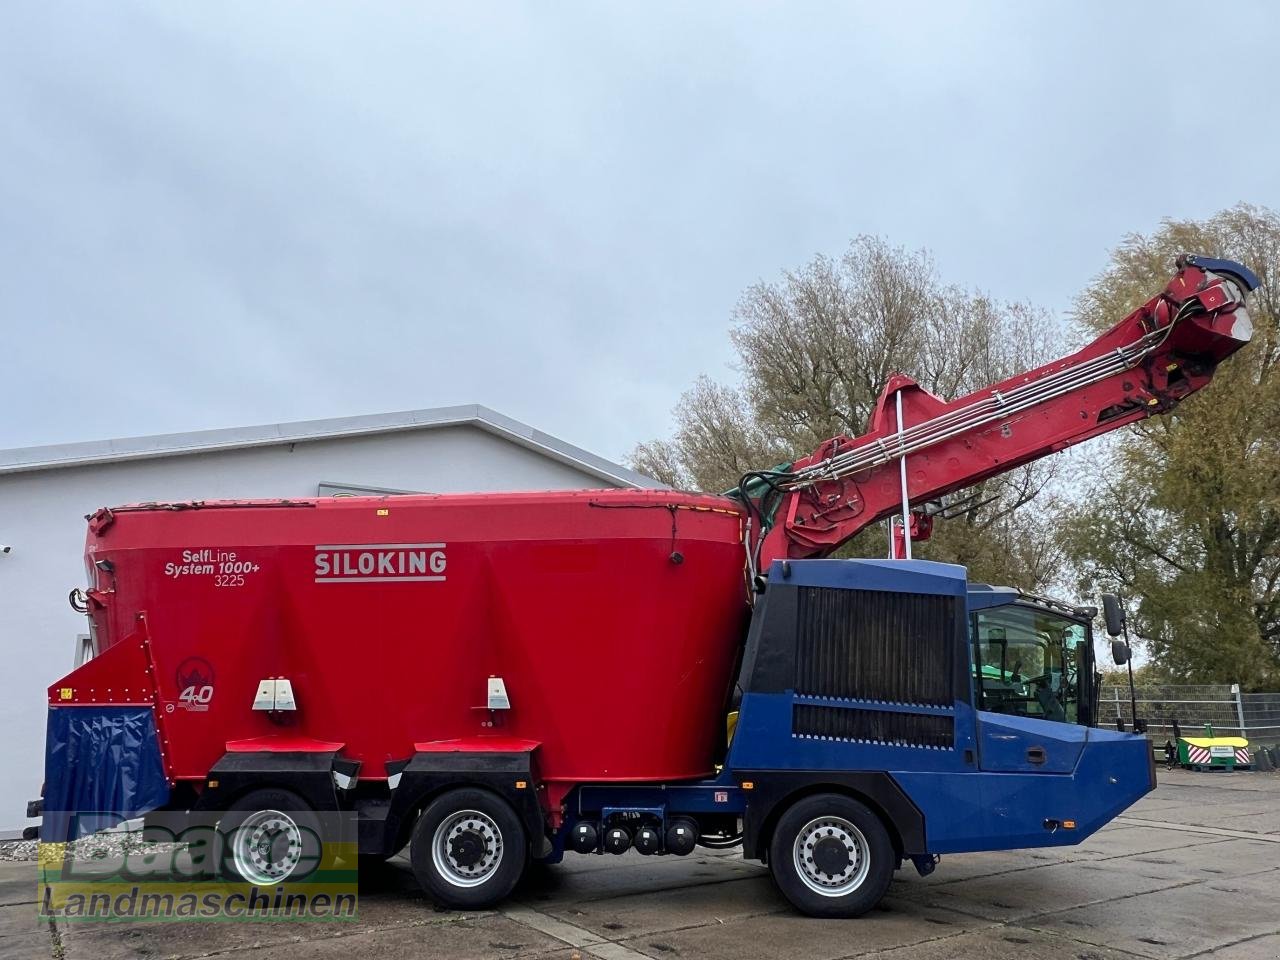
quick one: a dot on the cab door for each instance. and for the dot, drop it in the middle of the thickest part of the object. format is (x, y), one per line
(1028, 679)
(1012, 744)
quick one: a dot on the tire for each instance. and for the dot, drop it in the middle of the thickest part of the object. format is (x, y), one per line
(848, 840)
(468, 849)
(270, 836)
(373, 860)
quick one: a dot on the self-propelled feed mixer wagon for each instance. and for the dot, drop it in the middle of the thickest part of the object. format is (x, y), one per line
(492, 679)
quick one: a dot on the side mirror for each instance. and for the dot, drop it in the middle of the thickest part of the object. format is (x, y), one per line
(1119, 652)
(1114, 615)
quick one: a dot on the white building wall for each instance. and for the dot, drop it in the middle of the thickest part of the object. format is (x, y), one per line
(42, 520)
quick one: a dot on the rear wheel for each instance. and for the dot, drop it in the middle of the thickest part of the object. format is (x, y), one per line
(468, 849)
(831, 856)
(270, 836)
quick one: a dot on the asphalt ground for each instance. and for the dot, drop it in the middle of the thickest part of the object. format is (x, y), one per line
(1193, 870)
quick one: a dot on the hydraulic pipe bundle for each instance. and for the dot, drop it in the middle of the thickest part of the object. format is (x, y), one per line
(919, 448)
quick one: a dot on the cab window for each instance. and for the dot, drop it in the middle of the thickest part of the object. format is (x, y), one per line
(1028, 661)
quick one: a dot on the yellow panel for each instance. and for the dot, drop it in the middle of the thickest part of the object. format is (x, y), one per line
(1217, 741)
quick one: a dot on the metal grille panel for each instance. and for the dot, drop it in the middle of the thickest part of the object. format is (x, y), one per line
(873, 726)
(876, 645)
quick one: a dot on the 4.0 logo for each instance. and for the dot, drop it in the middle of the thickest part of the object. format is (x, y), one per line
(195, 684)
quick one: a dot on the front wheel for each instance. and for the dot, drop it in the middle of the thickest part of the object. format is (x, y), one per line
(468, 849)
(831, 856)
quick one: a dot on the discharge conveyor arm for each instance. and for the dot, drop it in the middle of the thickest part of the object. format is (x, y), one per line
(1163, 351)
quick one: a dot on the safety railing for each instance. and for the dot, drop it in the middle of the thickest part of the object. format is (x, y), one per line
(1255, 716)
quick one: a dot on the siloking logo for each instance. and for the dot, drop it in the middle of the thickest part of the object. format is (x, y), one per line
(379, 562)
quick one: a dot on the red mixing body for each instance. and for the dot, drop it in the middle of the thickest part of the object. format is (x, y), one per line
(612, 617)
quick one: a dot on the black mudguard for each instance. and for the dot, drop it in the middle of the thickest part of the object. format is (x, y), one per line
(772, 791)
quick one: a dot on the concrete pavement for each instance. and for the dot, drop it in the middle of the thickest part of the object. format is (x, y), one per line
(1193, 870)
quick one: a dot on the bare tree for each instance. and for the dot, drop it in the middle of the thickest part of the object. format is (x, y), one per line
(816, 347)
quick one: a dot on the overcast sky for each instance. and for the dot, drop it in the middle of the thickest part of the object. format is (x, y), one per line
(223, 214)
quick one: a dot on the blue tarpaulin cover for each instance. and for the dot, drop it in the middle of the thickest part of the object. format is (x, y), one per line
(102, 767)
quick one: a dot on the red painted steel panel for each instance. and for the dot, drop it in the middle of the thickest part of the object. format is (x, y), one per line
(614, 618)
(492, 744)
(285, 743)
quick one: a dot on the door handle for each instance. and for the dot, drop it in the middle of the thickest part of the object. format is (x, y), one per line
(1036, 755)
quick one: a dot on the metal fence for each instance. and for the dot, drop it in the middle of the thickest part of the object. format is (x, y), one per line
(1255, 716)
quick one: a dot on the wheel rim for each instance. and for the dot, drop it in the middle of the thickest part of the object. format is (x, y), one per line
(267, 847)
(466, 848)
(831, 856)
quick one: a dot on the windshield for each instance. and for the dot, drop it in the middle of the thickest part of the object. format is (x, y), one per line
(1029, 661)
